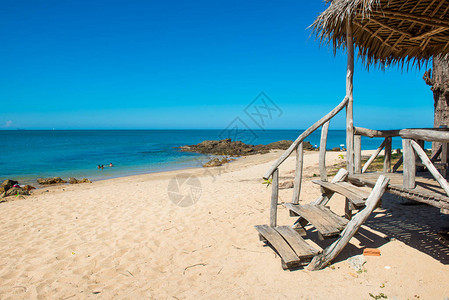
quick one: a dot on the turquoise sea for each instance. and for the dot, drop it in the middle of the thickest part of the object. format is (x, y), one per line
(28, 154)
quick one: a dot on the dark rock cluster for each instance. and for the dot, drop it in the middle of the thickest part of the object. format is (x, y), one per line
(238, 148)
(11, 187)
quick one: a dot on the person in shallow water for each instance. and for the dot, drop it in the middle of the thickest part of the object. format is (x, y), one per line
(98, 167)
(111, 165)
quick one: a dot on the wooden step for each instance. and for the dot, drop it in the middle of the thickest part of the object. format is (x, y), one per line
(322, 218)
(356, 195)
(291, 247)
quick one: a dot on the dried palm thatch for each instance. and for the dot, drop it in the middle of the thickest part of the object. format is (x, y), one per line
(388, 31)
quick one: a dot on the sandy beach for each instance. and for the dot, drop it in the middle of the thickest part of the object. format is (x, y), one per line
(133, 237)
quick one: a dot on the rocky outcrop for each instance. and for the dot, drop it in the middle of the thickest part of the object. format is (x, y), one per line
(28, 187)
(9, 183)
(14, 191)
(213, 163)
(73, 180)
(50, 180)
(237, 148)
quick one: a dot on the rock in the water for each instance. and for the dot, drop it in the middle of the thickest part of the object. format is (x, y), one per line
(28, 188)
(237, 148)
(9, 183)
(50, 180)
(288, 184)
(336, 149)
(213, 163)
(73, 180)
(16, 191)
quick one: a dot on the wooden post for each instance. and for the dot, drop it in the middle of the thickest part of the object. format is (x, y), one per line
(322, 156)
(349, 94)
(387, 160)
(298, 173)
(358, 154)
(274, 198)
(409, 164)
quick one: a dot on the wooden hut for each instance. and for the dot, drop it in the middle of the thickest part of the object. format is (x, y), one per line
(384, 32)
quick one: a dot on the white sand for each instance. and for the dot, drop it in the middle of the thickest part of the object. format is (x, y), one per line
(124, 238)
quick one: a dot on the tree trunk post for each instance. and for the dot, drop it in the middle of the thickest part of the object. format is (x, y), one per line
(349, 94)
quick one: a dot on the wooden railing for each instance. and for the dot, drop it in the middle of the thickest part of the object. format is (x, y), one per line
(297, 146)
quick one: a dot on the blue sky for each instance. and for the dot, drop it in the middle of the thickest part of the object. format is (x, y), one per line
(185, 64)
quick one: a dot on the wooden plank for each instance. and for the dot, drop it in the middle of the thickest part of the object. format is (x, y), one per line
(298, 173)
(409, 164)
(282, 247)
(355, 198)
(341, 175)
(274, 198)
(349, 95)
(373, 157)
(358, 154)
(323, 259)
(364, 194)
(302, 249)
(444, 158)
(426, 161)
(322, 155)
(387, 160)
(341, 222)
(305, 134)
(324, 227)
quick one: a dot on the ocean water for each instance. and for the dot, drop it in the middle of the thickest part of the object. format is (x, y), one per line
(29, 154)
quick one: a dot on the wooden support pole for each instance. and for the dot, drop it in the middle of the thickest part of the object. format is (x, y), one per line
(274, 198)
(349, 94)
(322, 156)
(398, 164)
(322, 260)
(426, 161)
(409, 164)
(298, 173)
(358, 154)
(387, 160)
(373, 157)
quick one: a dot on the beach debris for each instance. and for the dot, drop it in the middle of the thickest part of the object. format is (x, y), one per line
(371, 252)
(50, 180)
(195, 265)
(288, 184)
(73, 180)
(237, 148)
(357, 262)
(215, 162)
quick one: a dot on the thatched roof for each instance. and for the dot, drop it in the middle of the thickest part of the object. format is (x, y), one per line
(388, 31)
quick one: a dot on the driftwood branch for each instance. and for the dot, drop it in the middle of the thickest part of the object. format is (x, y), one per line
(375, 133)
